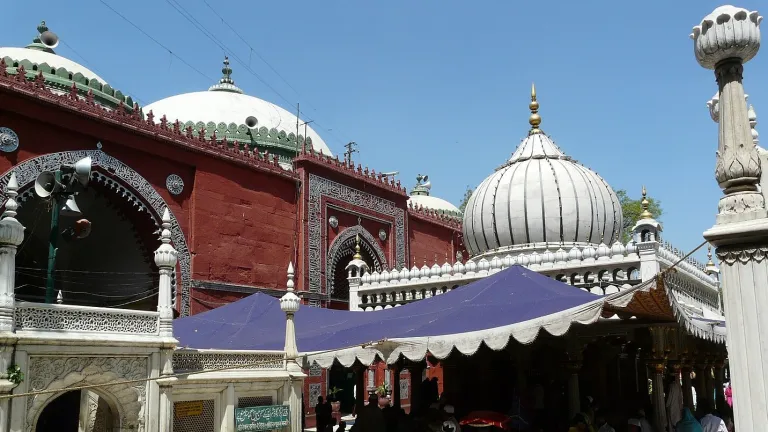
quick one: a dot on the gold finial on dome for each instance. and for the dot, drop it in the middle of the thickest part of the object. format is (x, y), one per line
(709, 256)
(357, 248)
(646, 214)
(535, 118)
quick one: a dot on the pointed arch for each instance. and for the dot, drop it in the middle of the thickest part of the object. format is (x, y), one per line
(346, 239)
(137, 187)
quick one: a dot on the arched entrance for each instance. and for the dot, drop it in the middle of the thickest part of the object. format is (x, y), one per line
(340, 254)
(133, 196)
(78, 411)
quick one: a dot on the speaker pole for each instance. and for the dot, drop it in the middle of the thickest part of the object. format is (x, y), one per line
(53, 239)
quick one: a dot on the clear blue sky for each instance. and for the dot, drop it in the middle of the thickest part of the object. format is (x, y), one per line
(441, 87)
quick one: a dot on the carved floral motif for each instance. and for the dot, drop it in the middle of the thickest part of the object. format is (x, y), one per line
(56, 317)
(742, 255)
(196, 361)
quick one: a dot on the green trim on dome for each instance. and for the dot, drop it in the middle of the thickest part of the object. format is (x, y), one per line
(277, 142)
(61, 79)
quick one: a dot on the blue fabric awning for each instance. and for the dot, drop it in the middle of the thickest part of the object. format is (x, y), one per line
(514, 302)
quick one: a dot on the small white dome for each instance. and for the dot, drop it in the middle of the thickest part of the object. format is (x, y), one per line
(53, 60)
(540, 196)
(420, 197)
(225, 103)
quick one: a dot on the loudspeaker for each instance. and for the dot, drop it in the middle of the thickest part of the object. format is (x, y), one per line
(83, 170)
(49, 39)
(251, 122)
(70, 208)
(46, 184)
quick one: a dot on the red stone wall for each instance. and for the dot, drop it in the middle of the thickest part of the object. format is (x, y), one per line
(430, 241)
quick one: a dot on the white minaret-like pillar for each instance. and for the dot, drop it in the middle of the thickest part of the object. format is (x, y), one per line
(11, 236)
(725, 40)
(355, 271)
(646, 235)
(165, 258)
(290, 304)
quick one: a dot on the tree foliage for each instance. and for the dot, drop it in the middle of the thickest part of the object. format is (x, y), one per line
(631, 208)
(465, 200)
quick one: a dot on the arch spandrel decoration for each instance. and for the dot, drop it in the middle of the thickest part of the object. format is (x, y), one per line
(27, 172)
(344, 238)
(48, 372)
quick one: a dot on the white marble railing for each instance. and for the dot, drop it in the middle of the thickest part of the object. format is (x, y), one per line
(30, 317)
(186, 360)
(601, 270)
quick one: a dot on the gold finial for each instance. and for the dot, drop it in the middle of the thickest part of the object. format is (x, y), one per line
(535, 118)
(357, 248)
(709, 256)
(645, 204)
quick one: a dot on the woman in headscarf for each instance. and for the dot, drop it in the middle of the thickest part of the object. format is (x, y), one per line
(688, 423)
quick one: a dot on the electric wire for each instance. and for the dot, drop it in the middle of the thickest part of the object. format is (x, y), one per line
(227, 51)
(155, 41)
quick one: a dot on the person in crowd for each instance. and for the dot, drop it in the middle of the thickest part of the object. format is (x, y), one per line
(602, 425)
(321, 419)
(640, 423)
(688, 423)
(729, 395)
(729, 423)
(370, 419)
(579, 423)
(713, 423)
(342, 426)
(674, 403)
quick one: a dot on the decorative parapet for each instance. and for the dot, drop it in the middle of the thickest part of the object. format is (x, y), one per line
(434, 216)
(368, 176)
(693, 268)
(240, 137)
(601, 271)
(131, 119)
(189, 360)
(62, 81)
(39, 317)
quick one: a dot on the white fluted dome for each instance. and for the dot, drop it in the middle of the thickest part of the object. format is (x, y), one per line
(540, 196)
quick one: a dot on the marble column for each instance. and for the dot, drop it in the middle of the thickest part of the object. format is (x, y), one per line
(395, 384)
(11, 236)
(723, 41)
(700, 383)
(416, 370)
(230, 403)
(166, 404)
(574, 395)
(687, 385)
(658, 366)
(719, 391)
(360, 393)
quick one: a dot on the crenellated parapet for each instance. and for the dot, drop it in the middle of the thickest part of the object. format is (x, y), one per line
(171, 132)
(360, 173)
(434, 216)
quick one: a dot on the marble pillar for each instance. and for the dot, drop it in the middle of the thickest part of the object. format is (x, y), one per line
(723, 41)
(574, 394)
(719, 390)
(11, 236)
(360, 393)
(658, 367)
(395, 385)
(416, 370)
(687, 386)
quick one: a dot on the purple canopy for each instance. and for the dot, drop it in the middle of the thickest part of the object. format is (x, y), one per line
(512, 296)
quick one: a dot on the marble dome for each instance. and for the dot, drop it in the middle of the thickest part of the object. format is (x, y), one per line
(225, 103)
(39, 57)
(540, 196)
(420, 197)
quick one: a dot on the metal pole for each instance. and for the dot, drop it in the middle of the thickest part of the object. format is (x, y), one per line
(53, 239)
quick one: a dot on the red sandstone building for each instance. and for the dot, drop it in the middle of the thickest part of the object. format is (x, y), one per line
(250, 188)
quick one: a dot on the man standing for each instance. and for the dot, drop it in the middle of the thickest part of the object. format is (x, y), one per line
(322, 416)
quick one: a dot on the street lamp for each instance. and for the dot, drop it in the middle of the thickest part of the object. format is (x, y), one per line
(60, 187)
